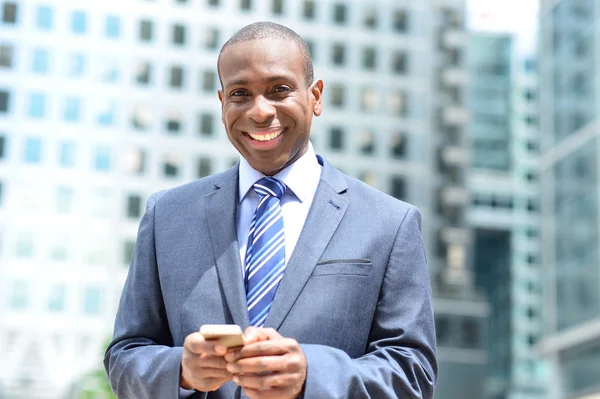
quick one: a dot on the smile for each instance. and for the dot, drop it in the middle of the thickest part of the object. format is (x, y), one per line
(265, 137)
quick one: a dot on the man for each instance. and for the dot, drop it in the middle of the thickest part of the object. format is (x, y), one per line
(327, 275)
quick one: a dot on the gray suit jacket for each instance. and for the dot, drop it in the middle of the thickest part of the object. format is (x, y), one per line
(355, 294)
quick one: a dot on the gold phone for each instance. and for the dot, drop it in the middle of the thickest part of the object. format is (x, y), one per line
(230, 335)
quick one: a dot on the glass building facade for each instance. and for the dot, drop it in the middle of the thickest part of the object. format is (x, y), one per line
(571, 89)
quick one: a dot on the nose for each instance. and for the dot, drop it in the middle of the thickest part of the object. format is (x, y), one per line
(261, 110)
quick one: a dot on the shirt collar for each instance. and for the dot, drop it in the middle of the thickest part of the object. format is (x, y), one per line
(301, 177)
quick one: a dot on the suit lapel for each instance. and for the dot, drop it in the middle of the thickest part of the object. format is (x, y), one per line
(326, 212)
(221, 211)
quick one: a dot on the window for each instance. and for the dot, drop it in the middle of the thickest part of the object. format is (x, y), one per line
(33, 150)
(20, 295)
(399, 62)
(44, 18)
(277, 7)
(308, 9)
(369, 99)
(6, 56)
(128, 247)
(102, 159)
(4, 101)
(398, 103)
(101, 204)
(366, 142)
(398, 188)
(337, 95)
(209, 81)
(398, 145)
(78, 22)
(134, 206)
(37, 105)
(143, 73)
(171, 167)
(206, 124)
(72, 109)
(370, 17)
(146, 30)
(529, 95)
(173, 123)
(66, 157)
(109, 70)
(92, 300)
(339, 54)
(1, 188)
(470, 333)
(2, 147)
(141, 118)
(176, 77)
(9, 12)
(178, 34)
(369, 58)
(76, 66)
(400, 21)
(113, 26)
(25, 246)
(56, 298)
(245, 5)
(106, 116)
(135, 161)
(336, 138)
(339, 13)
(64, 200)
(211, 38)
(204, 167)
(41, 60)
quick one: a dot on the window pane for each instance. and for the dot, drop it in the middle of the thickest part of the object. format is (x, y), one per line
(336, 138)
(33, 150)
(204, 167)
(102, 159)
(44, 18)
(78, 22)
(128, 247)
(366, 142)
(72, 109)
(178, 34)
(143, 73)
(339, 13)
(67, 154)
(400, 21)
(173, 123)
(4, 100)
(76, 66)
(370, 17)
(2, 147)
(369, 58)
(146, 30)
(206, 124)
(6, 56)
(37, 105)
(20, 295)
(9, 12)
(209, 81)
(277, 7)
(245, 5)
(337, 95)
(398, 145)
(134, 206)
(176, 77)
(399, 103)
(135, 161)
(113, 26)
(92, 300)
(25, 246)
(399, 62)
(339, 53)
(56, 298)
(41, 60)
(398, 189)
(211, 38)
(64, 200)
(369, 100)
(171, 167)
(141, 118)
(308, 9)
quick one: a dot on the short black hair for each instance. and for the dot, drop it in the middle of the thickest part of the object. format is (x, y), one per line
(272, 30)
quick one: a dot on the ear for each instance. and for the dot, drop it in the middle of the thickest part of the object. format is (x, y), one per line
(316, 91)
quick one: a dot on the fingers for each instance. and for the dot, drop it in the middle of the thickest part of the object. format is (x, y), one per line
(262, 382)
(256, 334)
(195, 343)
(264, 348)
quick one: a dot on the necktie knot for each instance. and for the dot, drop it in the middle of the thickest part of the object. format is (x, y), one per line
(269, 186)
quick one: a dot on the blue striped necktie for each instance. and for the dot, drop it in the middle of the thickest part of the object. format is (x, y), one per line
(265, 253)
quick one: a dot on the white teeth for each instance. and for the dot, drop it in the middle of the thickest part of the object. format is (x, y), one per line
(265, 137)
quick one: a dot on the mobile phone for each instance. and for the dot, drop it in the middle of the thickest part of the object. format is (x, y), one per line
(230, 335)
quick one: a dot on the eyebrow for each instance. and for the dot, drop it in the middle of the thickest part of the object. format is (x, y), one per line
(245, 81)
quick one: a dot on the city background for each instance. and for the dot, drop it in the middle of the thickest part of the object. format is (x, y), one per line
(483, 113)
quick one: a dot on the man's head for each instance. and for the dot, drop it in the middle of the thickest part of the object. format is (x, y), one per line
(267, 94)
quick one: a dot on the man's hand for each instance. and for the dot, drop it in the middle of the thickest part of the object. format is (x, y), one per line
(202, 364)
(268, 365)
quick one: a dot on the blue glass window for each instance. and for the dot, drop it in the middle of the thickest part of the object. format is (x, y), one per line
(107, 118)
(37, 105)
(113, 26)
(41, 60)
(33, 150)
(79, 22)
(72, 109)
(66, 156)
(44, 18)
(76, 64)
(92, 301)
(20, 295)
(102, 159)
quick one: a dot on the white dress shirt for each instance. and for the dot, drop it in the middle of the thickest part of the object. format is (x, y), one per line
(301, 178)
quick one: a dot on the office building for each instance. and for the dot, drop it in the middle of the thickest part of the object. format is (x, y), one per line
(570, 92)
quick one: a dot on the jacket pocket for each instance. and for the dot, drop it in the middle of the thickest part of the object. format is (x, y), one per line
(332, 261)
(349, 268)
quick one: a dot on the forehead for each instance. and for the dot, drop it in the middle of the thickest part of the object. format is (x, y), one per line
(261, 59)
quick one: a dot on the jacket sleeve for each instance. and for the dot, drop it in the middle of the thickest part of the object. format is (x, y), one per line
(400, 358)
(141, 361)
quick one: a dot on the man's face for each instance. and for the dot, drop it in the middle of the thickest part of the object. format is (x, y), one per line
(266, 108)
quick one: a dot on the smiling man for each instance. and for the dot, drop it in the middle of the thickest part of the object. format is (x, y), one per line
(327, 275)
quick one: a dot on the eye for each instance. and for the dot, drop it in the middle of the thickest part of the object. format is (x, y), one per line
(282, 89)
(238, 93)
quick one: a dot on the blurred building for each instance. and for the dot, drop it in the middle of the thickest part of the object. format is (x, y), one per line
(504, 185)
(570, 50)
(101, 106)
